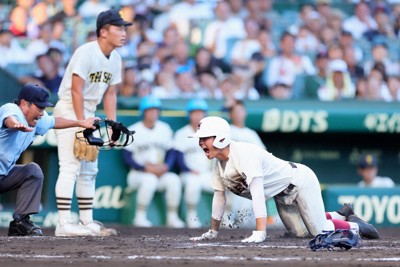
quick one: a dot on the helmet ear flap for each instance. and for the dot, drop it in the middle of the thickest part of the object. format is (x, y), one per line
(221, 141)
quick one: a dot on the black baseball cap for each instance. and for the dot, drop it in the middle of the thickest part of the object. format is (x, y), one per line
(35, 94)
(111, 16)
(367, 161)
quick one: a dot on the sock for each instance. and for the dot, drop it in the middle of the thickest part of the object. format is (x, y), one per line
(334, 215)
(340, 224)
(64, 191)
(85, 189)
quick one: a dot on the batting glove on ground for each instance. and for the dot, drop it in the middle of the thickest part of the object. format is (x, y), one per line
(211, 234)
(256, 237)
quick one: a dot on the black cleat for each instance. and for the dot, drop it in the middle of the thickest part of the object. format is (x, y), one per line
(346, 210)
(24, 227)
(366, 230)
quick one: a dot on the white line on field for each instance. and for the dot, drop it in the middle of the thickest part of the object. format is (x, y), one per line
(210, 258)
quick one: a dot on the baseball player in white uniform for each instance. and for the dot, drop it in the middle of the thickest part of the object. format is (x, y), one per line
(239, 132)
(150, 159)
(91, 76)
(195, 169)
(252, 172)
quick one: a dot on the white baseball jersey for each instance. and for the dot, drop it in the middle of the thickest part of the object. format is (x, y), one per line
(247, 161)
(150, 145)
(98, 71)
(378, 182)
(247, 135)
(193, 154)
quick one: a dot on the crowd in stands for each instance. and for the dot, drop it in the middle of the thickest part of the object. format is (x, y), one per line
(226, 50)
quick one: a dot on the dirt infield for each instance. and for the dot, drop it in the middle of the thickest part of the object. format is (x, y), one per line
(172, 247)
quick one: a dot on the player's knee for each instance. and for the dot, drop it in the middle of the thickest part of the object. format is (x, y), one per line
(34, 171)
(87, 178)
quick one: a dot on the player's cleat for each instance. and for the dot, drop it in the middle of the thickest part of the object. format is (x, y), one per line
(98, 229)
(24, 227)
(71, 229)
(141, 221)
(366, 230)
(346, 210)
(173, 221)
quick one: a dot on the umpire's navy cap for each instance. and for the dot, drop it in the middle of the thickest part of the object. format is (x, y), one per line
(111, 16)
(35, 94)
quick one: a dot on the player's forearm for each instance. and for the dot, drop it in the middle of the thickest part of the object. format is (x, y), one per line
(77, 97)
(62, 123)
(110, 103)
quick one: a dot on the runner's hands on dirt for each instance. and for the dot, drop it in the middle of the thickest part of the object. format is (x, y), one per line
(256, 237)
(211, 234)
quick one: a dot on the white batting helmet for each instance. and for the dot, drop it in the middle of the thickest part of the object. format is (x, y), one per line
(214, 126)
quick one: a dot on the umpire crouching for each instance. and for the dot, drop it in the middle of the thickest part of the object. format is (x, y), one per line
(21, 121)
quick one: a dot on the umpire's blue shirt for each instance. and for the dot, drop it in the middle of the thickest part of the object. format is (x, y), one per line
(14, 142)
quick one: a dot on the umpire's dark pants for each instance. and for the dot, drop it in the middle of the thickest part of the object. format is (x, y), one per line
(28, 180)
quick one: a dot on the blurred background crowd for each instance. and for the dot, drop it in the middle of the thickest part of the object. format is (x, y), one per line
(214, 49)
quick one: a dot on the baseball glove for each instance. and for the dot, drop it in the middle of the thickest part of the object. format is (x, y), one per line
(333, 240)
(83, 150)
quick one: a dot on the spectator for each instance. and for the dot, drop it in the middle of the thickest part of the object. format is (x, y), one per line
(91, 8)
(11, 50)
(367, 168)
(338, 83)
(377, 88)
(321, 62)
(285, 67)
(150, 159)
(356, 70)
(384, 29)
(187, 84)
(48, 78)
(346, 40)
(394, 87)
(182, 12)
(361, 21)
(181, 53)
(209, 86)
(38, 16)
(257, 65)
(380, 54)
(19, 18)
(129, 81)
(194, 168)
(205, 63)
(165, 86)
(220, 30)
(268, 47)
(243, 49)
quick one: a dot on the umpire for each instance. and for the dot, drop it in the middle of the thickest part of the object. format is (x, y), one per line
(21, 121)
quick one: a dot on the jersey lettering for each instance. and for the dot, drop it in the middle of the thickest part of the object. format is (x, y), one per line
(100, 76)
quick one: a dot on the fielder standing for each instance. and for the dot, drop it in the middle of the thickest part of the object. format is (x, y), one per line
(91, 76)
(252, 172)
(21, 121)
